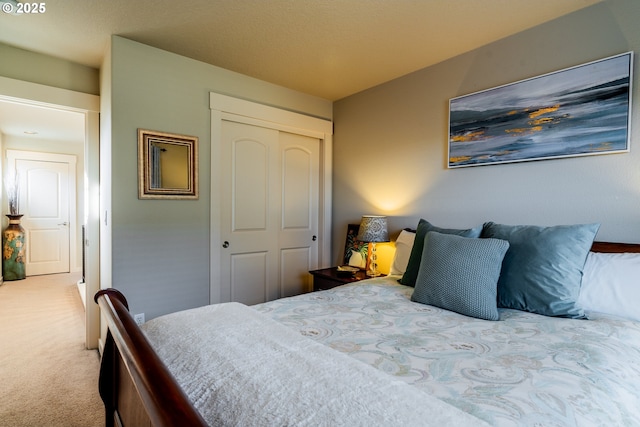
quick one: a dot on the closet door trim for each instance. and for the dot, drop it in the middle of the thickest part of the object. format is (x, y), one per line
(224, 107)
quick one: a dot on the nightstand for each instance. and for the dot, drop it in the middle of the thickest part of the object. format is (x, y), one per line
(327, 278)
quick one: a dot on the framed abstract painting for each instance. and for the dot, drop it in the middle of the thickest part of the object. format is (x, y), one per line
(579, 111)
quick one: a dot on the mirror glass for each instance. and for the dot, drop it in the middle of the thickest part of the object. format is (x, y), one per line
(167, 165)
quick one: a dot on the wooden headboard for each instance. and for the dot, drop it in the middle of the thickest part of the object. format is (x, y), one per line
(136, 387)
(609, 247)
(606, 247)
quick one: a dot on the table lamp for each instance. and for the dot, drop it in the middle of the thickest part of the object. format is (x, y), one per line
(373, 229)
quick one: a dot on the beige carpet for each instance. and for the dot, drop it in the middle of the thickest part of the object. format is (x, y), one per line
(47, 378)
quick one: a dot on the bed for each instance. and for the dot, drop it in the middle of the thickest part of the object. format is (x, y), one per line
(367, 353)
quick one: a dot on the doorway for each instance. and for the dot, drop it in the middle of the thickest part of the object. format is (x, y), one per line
(36, 96)
(48, 205)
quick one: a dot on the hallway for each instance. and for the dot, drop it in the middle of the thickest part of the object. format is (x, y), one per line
(48, 378)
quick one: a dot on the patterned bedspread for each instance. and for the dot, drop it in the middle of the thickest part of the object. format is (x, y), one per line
(526, 369)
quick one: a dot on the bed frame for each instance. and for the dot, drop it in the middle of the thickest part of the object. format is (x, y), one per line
(136, 387)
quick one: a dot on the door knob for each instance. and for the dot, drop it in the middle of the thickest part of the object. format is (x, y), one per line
(64, 223)
(314, 238)
(225, 244)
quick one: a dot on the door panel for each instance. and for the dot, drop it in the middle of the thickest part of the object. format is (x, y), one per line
(43, 247)
(296, 170)
(45, 203)
(270, 190)
(249, 194)
(299, 222)
(248, 275)
(294, 271)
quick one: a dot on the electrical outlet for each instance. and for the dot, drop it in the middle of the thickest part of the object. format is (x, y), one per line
(139, 318)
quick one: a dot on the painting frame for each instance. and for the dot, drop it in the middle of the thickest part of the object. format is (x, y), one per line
(167, 165)
(352, 244)
(583, 110)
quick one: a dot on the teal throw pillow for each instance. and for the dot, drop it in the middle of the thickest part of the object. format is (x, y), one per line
(542, 270)
(460, 274)
(411, 273)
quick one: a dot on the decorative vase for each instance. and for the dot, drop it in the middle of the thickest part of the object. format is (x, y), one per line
(13, 249)
(357, 260)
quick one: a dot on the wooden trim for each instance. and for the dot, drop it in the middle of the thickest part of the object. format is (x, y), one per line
(253, 109)
(42, 95)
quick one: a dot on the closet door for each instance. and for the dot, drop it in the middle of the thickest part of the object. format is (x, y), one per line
(297, 240)
(269, 212)
(250, 195)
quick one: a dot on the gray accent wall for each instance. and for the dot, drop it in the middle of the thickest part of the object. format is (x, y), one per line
(390, 142)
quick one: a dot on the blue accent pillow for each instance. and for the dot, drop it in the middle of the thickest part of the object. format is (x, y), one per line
(411, 273)
(542, 270)
(460, 274)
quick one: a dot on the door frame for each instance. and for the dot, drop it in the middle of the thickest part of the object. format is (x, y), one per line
(41, 156)
(224, 107)
(89, 105)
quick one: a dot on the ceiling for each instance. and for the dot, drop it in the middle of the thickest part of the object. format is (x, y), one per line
(36, 122)
(326, 48)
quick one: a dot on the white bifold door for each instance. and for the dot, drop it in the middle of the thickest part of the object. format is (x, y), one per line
(269, 213)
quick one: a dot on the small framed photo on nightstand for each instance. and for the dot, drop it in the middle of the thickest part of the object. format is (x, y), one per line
(355, 251)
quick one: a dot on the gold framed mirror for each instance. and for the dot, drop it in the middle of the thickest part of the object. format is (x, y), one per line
(167, 165)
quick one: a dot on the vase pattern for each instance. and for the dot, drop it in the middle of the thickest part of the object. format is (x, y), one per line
(13, 250)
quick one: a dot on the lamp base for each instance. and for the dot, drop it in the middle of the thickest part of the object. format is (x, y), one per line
(372, 269)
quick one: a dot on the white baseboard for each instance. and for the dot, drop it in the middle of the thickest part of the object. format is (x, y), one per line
(82, 289)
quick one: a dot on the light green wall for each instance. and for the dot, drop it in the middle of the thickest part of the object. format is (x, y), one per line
(160, 248)
(35, 67)
(390, 142)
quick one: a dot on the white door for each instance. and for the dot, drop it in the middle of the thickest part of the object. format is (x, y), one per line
(250, 194)
(299, 177)
(45, 188)
(269, 216)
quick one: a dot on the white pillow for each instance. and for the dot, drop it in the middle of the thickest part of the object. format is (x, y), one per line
(611, 284)
(404, 243)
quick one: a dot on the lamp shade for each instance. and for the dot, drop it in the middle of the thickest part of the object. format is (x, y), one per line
(373, 228)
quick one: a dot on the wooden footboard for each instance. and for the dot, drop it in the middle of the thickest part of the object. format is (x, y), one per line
(135, 386)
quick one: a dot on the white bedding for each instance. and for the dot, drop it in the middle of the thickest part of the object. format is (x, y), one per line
(241, 368)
